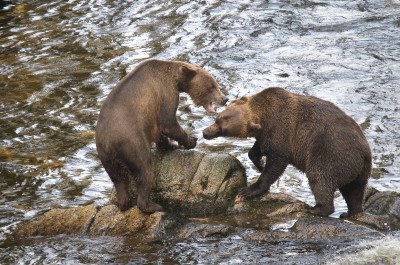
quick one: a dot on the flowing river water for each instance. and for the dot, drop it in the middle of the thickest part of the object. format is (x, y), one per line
(59, 59)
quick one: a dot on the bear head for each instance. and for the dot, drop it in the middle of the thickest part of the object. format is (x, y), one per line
(237, 120)
(202, 87)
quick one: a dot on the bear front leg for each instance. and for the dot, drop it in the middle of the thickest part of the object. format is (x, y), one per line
(273, 169)
(177, 133)
(255, 156)
(164, 143)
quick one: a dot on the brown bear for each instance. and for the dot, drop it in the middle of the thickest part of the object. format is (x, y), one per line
(141, 109)
(309, 133)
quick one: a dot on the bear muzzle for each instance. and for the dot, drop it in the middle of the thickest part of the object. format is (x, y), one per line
(221, 101)
(211, 132)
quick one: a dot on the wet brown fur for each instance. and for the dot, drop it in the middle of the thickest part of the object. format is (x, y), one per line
(312, 134)
(141, 109)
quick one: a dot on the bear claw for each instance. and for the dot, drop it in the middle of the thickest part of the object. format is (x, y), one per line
(251, 192)
(320, 211)
(151, 207)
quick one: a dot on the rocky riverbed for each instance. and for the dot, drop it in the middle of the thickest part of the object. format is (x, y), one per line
(201, 202)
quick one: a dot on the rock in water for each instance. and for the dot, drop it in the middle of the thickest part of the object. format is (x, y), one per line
(60, 221)
(194, 183)
(199, 190)
(187, 182)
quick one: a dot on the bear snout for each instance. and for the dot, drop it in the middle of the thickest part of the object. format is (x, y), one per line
(224, 100)
(211, 132)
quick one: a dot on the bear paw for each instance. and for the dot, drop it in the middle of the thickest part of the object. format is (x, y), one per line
(190, 143)
(150, 207)
(251, 191)
(321, 211)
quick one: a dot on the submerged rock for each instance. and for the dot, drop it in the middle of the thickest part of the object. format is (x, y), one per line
(267, 210)
(312, 228)
(276, 217)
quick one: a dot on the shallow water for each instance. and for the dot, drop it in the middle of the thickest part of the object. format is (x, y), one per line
(59, 60)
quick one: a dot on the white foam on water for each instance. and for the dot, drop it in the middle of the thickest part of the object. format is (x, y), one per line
(382, 251)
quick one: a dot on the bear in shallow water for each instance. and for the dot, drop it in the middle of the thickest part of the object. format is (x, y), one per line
(309, 133)
(141, 109)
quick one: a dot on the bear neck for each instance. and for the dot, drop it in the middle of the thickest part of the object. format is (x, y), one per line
(258, 110)
(181, 87)
(167, 72)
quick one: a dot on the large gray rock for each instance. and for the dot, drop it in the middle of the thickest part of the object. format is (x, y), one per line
(188, 183)
(385, 203)
(194, 183)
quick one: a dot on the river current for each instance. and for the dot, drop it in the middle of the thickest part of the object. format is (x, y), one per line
(60, 59)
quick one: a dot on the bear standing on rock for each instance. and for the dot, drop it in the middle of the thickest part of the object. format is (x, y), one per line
(140, 110)
(312, 134)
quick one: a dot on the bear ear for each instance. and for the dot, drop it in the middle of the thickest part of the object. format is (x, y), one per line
(240, 101)
(187, 71)
(253, 129)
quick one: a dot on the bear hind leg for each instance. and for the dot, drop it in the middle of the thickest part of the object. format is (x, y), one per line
(353, 193)
(120, 177)
(143, 175)
(139, 165)
(144, 183)
(323, 198)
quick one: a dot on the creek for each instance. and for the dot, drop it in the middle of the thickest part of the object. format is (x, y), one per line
(60, 59)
